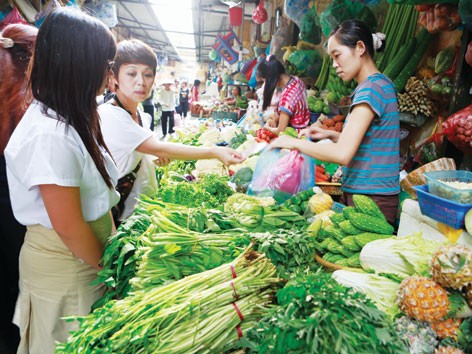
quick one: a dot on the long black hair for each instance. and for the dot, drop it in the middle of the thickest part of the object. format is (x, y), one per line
(350, 32)
(270, 70)
(70, 62)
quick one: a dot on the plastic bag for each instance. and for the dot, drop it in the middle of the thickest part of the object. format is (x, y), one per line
(281, 174)
(105, 11)
(310, 27)
(13, 16)
(465, 12)
(338, 11)
(295, 9)
(50, 7)
(281, 38)
(304, 63)
(458, 129)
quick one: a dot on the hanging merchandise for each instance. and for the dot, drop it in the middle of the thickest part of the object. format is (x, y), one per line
(304, 63)
(259, 15)
(235, 12)
(4, 13)
(281, 39)
(51, 6)
(310, 27)
(14, 16)
(105, 11)
(338, 11)
(295, 9)
(213, 54)
(224, 46)
(458, 129)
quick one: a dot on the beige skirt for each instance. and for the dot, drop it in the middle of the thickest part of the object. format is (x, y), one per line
(53, 284)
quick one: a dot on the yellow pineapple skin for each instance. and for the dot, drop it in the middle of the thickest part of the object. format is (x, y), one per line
(451, 266)
(447, 328)
(423, 299)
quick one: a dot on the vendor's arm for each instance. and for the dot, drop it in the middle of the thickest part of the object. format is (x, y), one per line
(176, 151)
(284, 119)
(64, 209)
(347, 144)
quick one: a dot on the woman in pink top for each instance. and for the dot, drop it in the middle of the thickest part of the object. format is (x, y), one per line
(292, 109)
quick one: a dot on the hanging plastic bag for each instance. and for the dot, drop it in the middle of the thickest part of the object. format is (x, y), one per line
(465, 12)
(13, 16)
(105, 11)
(304, 63)
(295, 9)
(281, 38)
(458, 129)
(259, 15)
(281, 174)
(338, 11)
(310, 27)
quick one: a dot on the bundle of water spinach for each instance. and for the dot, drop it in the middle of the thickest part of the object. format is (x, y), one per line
(203, 313)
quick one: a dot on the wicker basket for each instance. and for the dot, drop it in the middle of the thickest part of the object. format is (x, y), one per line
(333, 267)
(330, 188)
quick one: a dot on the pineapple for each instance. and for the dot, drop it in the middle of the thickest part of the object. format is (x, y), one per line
(419, 337)
(423, 299)
(451, 266)
(448, 350)
(448, 328)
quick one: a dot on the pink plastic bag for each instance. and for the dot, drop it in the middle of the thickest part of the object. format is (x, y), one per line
(280, 174)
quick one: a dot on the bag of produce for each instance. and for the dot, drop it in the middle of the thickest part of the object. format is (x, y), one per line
(295, 9)
(304, 63)
(310, 27)
(281, 174)
(338, 11)
(458, 129)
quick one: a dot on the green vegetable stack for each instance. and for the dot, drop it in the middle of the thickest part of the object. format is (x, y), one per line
(299, 202)
(341, 242)
(317, 105)
(337, 87)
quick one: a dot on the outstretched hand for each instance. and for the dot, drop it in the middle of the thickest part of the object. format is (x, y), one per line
(315, 133)
(229, 156)
(283, 142)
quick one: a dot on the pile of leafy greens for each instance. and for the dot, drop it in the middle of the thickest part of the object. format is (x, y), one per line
(317, 315)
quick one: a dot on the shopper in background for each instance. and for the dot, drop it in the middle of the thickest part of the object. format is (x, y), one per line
(16, 48)
(368, 146)
(194, 93)
(239, 101)
(125, 129)
(61, 178)
(166, 98)
(292, 108)
(183, 100)
(148, 107)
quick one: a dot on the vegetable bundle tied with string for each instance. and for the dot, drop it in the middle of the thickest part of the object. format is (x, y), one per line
(203, 313)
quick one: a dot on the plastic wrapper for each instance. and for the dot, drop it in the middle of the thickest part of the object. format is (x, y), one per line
(281, 174)
(310, 27)
(465, 12)
(295, 9)
(341, 10)
(304, 63)
(458, 129)
(105, 11)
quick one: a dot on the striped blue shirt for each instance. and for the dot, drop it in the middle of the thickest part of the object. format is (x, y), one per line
(375, 167)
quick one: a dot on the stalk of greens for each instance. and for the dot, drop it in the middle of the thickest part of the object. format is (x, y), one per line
(317, 315)
(152, 321)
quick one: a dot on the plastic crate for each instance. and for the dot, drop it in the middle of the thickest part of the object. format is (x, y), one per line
(440, 209)
(436, 179)
(232, 116)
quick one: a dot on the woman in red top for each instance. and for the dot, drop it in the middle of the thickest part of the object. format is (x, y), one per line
(292, 109)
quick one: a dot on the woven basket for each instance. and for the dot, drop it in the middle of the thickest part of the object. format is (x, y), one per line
(330, 188)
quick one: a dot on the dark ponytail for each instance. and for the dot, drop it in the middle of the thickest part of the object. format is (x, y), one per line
(350, 32)
(270, 70)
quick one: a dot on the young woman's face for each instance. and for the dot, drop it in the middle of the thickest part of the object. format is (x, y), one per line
(135, 81)
(346, 60)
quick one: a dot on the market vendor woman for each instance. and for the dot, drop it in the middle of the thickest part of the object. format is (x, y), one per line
(238, 101)
(368, 146)
(292, 108)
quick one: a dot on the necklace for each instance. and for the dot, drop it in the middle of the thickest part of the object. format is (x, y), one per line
(118, 102)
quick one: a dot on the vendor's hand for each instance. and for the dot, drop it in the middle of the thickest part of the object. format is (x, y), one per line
(283, 142)
(162, 161)
(229, 156)
(315, 133)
